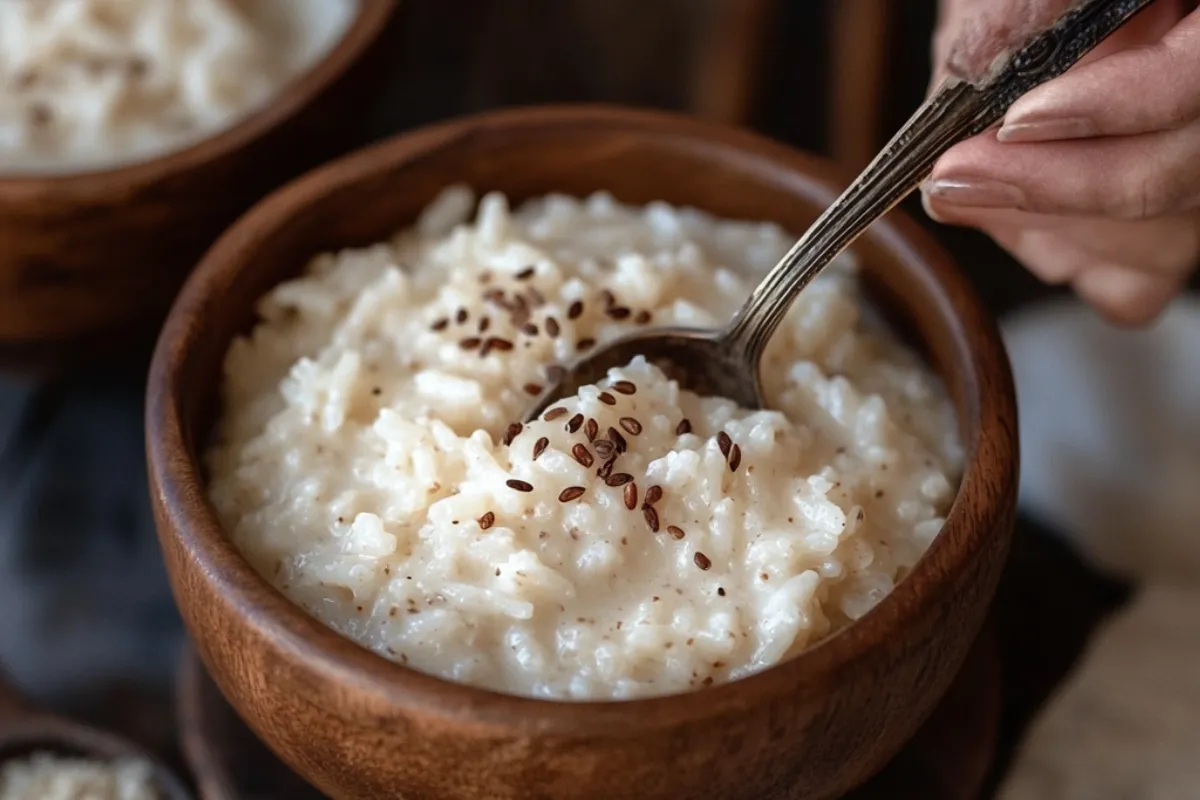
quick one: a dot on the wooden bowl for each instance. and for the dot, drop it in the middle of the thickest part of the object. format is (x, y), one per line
(90, 261)
(26, 730)
(358, 726)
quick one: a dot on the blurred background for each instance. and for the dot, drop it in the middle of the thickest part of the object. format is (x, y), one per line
(99, 638)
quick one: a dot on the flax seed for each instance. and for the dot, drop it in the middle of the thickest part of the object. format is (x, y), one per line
(618, 312)
(513, 432)
(470, 343)
(586, 343)
(539, 447)
(607, 399)
(642, 317)
(605, 448)
(702, 561)
(525, 274)
(533, 388)
(461, 315)
(675, 531)
(684, 427)
(618, 440)
(653, 494)
(725, 443)
(529, 329)
(554, 413)
(487, 520)
(735, 458)
(582, 455)
(631, 425)
(575, 311)
(591, 429)
(624, 387)
(606, 468)
(552, 327)
(631, 496)
(519, 486)
(620, 479)
(497, 343)
(571, 493)
(440, 324)
(651, 517)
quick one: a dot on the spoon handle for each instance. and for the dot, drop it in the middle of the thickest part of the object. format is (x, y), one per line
(957, 111)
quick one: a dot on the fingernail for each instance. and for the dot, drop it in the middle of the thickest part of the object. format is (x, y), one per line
(975, 193)
(930, 210)
(1047, 130)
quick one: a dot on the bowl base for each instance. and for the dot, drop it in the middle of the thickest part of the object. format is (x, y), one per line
(948, 759)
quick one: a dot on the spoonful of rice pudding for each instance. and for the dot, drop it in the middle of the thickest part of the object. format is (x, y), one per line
(725, 362)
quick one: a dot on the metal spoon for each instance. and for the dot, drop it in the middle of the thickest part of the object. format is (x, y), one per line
(725, 362)
(25, 730)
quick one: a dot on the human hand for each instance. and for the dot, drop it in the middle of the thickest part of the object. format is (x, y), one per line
(1094, 177)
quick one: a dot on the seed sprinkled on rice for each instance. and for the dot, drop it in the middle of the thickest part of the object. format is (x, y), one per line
(440, 324)
(631, 425)
(487, 520)
(607, 399)
(470, 343)
(675, 531)
(586, 343)
(514, 430)
(540, 446)
(525, 274)
(571, 493)
(735, 458)
(651, 517)
(618, 440)
(461, 315)
(519, 485)
(591, 429)
(575, 311)
(725, 443)
(582, 455)
(702, 561)
(624, 387)
(631, 495)
(654, 494)
(684, 427)
(554, 413)
(552, 328)
(574, 423)
(533, 388)
(620, 479)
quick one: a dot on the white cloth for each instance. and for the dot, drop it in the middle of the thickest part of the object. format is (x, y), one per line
(1110, 438)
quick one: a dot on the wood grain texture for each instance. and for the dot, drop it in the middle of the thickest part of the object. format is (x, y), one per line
(26, 729)
(358, 726)
(90, 262)
(859, 79)
(948, 759)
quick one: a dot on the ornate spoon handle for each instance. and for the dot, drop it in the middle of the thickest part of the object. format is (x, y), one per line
(957, 111)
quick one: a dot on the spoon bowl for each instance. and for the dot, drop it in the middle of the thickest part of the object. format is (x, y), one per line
(701, 359)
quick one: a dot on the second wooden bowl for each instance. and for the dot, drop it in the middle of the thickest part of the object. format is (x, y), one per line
(90, 262)
(358, 726)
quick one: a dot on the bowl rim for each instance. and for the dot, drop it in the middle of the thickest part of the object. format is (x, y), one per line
(370, 19)
(981, 506)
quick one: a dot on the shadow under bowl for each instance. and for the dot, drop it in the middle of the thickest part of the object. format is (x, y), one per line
(358, 726)
(90, 261)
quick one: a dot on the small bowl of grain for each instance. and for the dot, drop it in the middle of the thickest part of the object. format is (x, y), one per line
(133, 131)
(642, 593)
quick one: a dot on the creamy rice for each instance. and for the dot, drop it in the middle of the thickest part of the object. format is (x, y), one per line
(44, 776)
(86, 84)
(367, 463)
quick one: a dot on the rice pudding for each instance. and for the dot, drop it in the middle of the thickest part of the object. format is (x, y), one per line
(637, 539)
(44, 776)
(89, 84)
